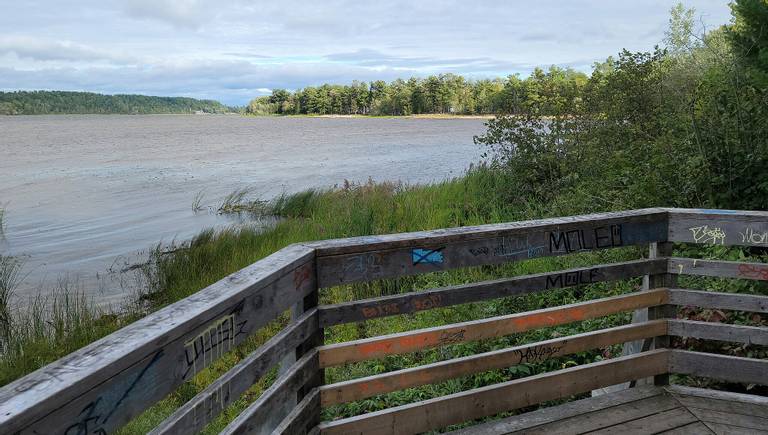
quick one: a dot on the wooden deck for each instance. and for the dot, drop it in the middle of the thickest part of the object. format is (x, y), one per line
(643, 410)
(103, 386)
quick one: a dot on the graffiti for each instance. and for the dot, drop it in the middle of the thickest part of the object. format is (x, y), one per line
(576, 277)
(708, 235)
(427, 303)
(510, 247)
(301, 275)
(362, 265)
(608, 236)
(537, 353)
(216, 339)
(88, 422)
(754, 272)
(754, 237)
(715, 211)
(479, 251)
(381, 310)
(450, 337)
(427, 256)
(89, 419)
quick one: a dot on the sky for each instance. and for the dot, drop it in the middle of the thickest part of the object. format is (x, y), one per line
(235, 50)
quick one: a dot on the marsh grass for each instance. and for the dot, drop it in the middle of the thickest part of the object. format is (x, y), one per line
(197, 202)
(240, 201)
(2, 223)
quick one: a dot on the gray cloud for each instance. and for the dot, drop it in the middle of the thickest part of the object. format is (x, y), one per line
(235, 49)
(178, 13)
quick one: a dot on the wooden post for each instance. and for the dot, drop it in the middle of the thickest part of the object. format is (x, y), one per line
(313, 341)
(659, 250)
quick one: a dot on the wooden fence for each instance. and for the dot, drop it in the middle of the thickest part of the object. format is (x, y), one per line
(104, 385)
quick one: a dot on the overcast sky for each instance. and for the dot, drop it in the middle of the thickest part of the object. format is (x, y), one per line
(233, 50)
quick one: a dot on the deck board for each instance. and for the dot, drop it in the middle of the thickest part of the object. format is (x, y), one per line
(643, 410)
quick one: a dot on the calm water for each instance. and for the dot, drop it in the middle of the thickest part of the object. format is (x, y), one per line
(86, 194)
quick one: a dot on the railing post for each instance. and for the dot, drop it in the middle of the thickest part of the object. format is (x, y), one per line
(668, 280)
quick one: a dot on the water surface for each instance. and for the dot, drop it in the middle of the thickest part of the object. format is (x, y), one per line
(88, 193)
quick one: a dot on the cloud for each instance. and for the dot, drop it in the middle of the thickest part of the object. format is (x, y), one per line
(189, 14)
(38, 49)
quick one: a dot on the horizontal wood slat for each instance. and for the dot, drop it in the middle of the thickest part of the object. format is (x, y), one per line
(104, 384)
(723, 301)
(724, 269)
(718, 227)
(357, 311)
(722, 367)
(358, 389)
(719, 331)
(378, 257)
(268, 411)
(377, 347)
(486, 401)
(209, 403)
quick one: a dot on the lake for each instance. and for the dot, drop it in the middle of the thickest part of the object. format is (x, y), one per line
(88, 194)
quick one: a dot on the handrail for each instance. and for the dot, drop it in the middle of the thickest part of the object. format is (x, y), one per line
(102, 386)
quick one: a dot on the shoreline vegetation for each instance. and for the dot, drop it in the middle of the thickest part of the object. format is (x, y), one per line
(686, 126)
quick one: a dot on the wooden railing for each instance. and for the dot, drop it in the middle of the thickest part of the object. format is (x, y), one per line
(101, 387)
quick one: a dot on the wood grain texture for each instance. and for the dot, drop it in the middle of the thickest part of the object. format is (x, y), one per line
(101, 386)
(530, 421)
(358, 389)
(209, 403)
(722, 367)
(718, 227)
(393, 344)
(366, 309)
(719, 331)
(481, 402)
(723, 301)
(372, 258)
(268, 411)
(725, 269)
(303, 417)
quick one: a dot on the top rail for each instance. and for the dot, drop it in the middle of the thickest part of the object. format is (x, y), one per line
(102, 386)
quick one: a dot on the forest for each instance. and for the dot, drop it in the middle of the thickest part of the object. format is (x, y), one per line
(62, 102)
(441, 94)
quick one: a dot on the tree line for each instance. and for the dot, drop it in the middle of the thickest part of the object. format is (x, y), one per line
(63, 102)
(685, 125)
(437, 94)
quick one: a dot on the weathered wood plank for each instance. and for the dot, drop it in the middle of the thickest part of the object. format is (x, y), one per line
(358, 389)
(724, 269)
(527, 421)
(103, 385)
(722, 367)
(727, 429)
(723, 301)
(371, 258)
(742, 420)
(393, 344)
(719, 227)
(266, 413)
(652, 424)
(717, 394)
(609, 416)
(697, 428)
(729, 406)
(361, 310)
(304, 415)
(481, 402)
(209, 403)
(719, 331)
